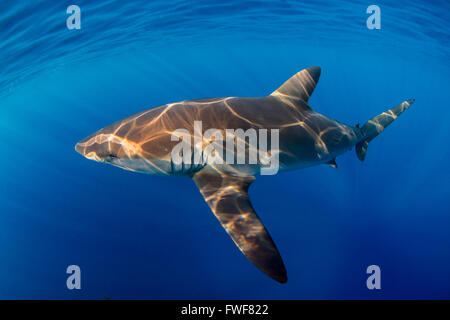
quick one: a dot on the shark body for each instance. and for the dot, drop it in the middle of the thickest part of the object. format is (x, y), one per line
(144, 143)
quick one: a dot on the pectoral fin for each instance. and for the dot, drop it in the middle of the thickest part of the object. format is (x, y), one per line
(227, 196)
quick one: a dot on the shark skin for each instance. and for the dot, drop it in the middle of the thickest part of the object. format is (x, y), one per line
(144, 143)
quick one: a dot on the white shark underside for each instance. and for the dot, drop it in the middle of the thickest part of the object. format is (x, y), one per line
(144, 143)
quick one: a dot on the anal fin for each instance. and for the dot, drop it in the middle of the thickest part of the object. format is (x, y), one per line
(333, 163)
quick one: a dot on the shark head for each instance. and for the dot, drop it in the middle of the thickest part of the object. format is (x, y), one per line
(102, 146)
(109, 146)
(125, 146)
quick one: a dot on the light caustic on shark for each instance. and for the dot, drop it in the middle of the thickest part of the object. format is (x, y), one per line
(295, 136)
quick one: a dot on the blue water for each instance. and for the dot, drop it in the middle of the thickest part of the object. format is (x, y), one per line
(140, 236)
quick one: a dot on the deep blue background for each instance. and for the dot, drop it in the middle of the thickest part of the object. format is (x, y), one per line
(140, 236)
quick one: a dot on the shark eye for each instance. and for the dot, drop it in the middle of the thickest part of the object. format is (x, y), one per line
(110, 157)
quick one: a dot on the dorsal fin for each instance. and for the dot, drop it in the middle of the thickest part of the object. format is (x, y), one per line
(301, 85)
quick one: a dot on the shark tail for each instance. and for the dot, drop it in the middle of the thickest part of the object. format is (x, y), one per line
(376, 125)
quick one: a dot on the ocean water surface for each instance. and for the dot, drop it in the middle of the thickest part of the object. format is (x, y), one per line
(152, 237)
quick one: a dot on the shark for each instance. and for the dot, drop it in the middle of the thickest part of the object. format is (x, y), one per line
(144, 143)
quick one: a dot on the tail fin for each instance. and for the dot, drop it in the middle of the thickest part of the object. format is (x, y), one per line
(376, 125)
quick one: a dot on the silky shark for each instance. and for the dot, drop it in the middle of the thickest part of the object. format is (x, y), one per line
(144, 143)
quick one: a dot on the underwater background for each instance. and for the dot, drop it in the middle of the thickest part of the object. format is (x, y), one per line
(152, 237)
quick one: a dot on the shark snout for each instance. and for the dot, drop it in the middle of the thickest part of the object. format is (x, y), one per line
(93, 147)
(86, 145)
(88, 151)
(100, 146)
(80, 149)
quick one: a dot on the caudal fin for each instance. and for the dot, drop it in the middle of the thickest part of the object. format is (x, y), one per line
(376, 125)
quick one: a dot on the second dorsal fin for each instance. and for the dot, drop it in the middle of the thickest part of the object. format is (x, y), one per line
(301, 85)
